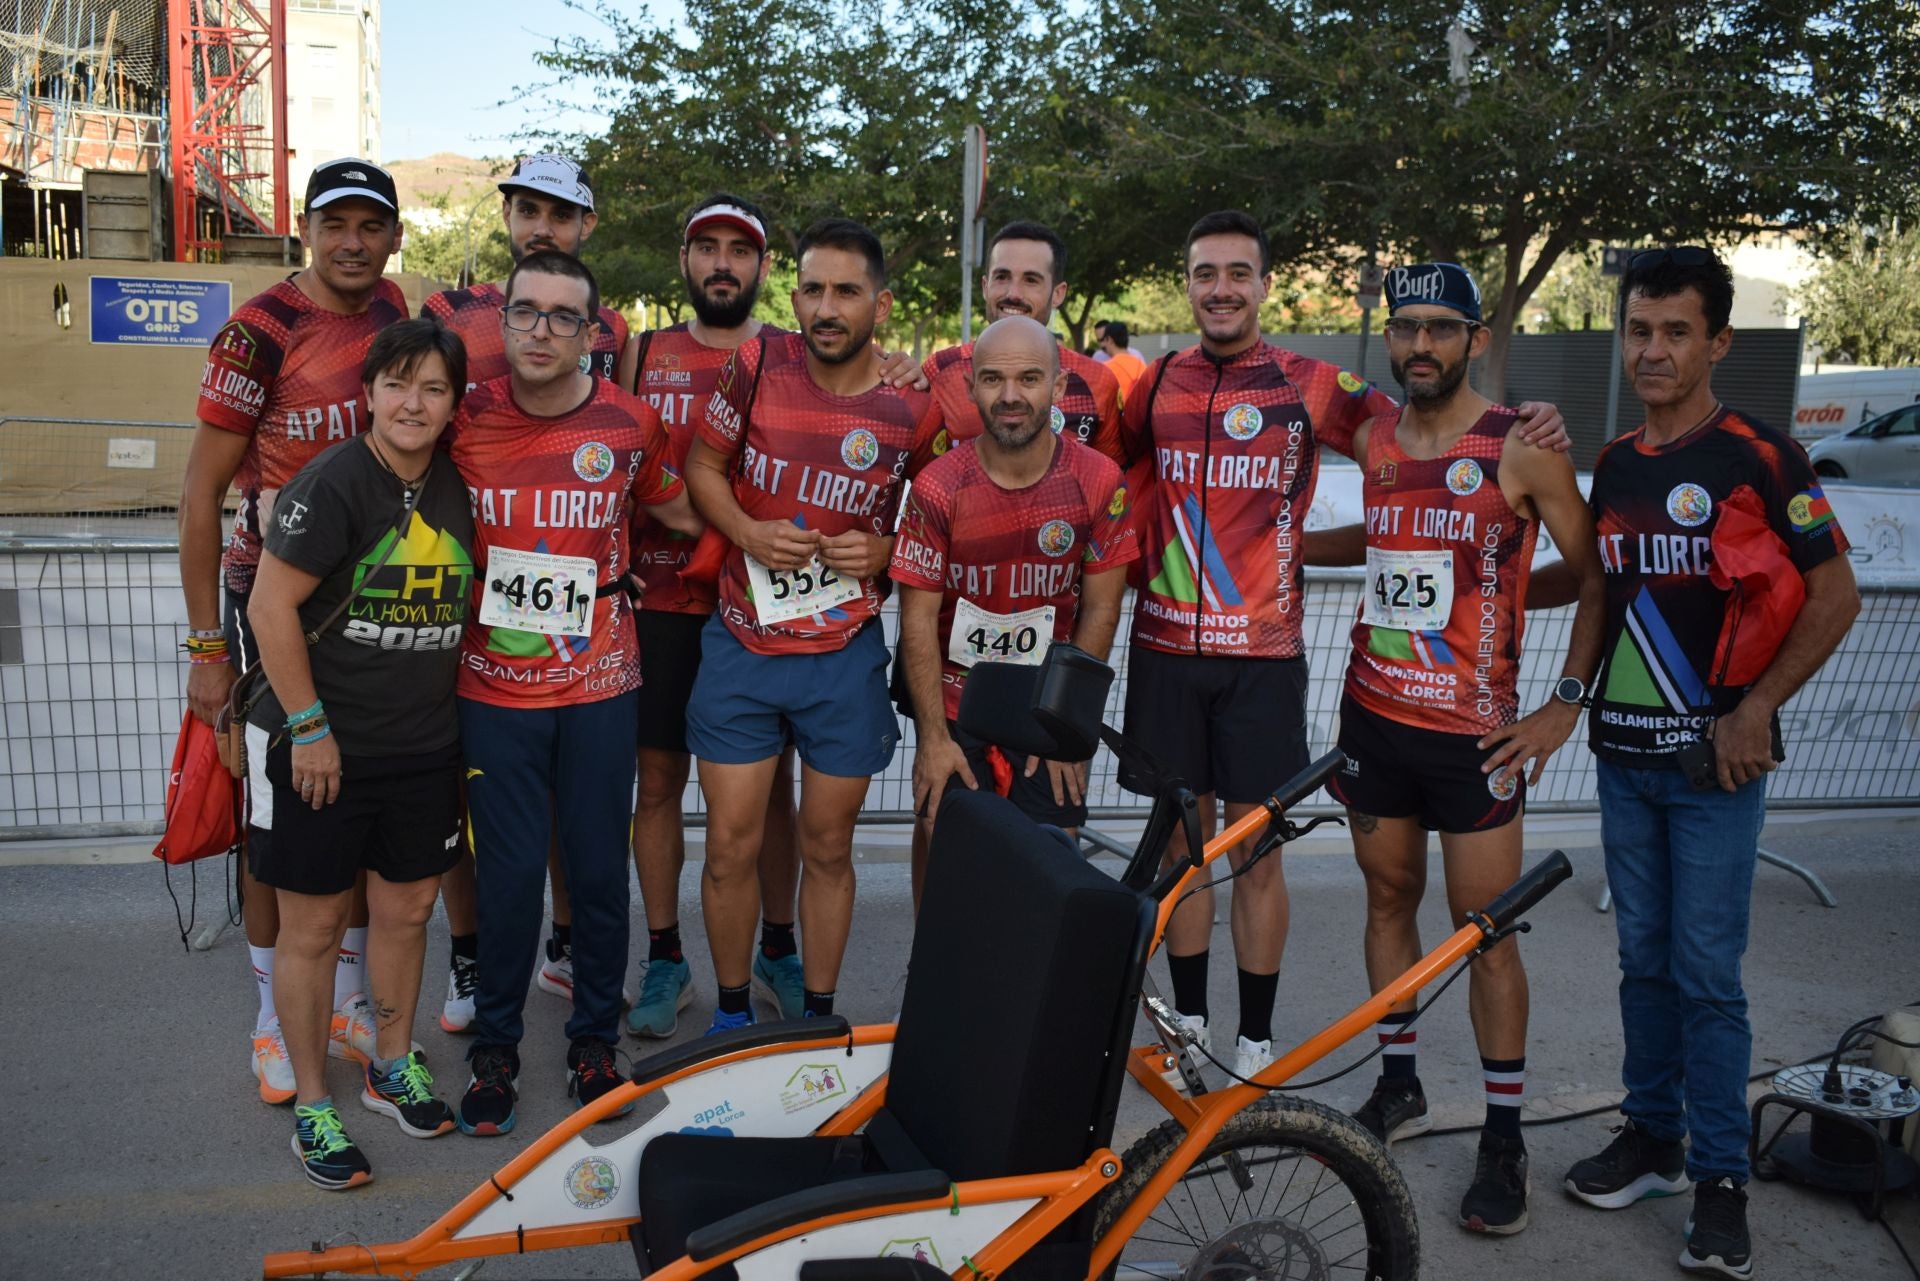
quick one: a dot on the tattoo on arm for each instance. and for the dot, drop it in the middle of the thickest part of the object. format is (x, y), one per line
(1363, 822)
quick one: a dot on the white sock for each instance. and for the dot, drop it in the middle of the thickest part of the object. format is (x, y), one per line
(263, 979)
(350, 970)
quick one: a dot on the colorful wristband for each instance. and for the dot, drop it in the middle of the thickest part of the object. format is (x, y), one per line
(295, 718)
(302, 740)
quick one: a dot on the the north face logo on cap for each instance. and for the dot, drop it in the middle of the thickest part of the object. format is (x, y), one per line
(353, 173)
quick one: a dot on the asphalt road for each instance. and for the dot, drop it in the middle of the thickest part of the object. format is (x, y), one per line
(132, 1143)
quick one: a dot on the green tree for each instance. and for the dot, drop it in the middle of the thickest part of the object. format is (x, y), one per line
(438, 239)
(1862, 304)
(1534, 127)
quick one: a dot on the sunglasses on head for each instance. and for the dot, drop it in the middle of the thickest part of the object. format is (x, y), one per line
(1684, 256)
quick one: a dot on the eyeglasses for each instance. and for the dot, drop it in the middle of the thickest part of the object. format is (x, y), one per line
(561, 324)
(1439, 328)
(1684, 256)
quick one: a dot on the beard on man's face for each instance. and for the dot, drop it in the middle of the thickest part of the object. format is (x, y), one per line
(722, 313)
(1437, 380)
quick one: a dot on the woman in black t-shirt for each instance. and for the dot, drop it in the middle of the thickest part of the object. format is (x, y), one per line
(359, 606)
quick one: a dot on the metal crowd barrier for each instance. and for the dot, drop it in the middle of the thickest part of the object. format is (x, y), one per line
(92, 683)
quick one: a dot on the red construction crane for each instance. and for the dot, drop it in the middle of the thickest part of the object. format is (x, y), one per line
(227, 108)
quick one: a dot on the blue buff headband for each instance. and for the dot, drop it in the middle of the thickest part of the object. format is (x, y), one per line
(1440, 284)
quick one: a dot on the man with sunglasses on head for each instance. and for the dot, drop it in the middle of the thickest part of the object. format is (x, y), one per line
(547, 203)
(1685, 727)
(723, 259)
(558, 463)
(1453, 502)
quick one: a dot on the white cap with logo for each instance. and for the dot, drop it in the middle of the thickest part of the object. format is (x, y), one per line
(550, 174)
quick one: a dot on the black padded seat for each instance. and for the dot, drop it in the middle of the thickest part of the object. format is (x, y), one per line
(1021, 991)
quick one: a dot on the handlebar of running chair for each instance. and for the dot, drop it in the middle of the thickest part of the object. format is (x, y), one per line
(1306, 782)
(1519, 898)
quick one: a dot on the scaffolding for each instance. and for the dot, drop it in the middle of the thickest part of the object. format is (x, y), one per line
(192, 89)
(82, 86)
(228, 121)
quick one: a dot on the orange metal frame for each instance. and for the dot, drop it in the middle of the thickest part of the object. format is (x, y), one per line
(1060, 1194)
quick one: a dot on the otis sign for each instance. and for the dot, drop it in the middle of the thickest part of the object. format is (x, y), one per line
(149, 312)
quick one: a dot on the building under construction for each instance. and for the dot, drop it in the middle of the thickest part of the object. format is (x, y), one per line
(141, 129)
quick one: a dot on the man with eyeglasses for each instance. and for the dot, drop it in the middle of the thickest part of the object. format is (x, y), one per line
(1700, 654)
(1217, 674)
(558, 463)
(547, 203)
(1453, 502)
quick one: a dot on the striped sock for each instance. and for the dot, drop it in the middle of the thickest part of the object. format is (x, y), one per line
(1506, 1086)
(1396, 1061)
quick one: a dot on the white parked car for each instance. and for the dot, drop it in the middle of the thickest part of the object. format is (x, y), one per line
(1880, 451)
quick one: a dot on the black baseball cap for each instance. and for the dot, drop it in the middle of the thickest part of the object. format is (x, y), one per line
(351, 177)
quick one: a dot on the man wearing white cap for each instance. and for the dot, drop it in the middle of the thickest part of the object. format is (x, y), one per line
(547, 204)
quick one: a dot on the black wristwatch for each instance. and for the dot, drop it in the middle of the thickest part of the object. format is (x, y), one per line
(1572, 690)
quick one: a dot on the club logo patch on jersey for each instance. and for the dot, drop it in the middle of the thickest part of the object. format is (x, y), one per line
(236, 346)
(593, 462)
(1351, 383)
(1809, 510)
(1056, 538)
(1057, 420)
(1502, 785)
(860, 449)
(591, 1182)
(1464, 477)
(1389, 473)
(1243, 421)
(1118, 503)
(942, 442)
(1689, 504)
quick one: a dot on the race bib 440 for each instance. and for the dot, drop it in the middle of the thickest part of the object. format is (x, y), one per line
(981, 636)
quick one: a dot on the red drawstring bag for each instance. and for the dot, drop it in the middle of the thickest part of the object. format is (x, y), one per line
(203, 813)
(1751, 561)
(701, 577)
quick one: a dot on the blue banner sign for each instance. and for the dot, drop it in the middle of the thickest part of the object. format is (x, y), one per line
(150, 312)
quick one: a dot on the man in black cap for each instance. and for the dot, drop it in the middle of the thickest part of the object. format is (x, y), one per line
(282, 383)
(547, 204)
(1453, 502)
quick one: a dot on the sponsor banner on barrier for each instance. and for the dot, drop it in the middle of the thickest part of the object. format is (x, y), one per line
(147, 312)
(1881, 521)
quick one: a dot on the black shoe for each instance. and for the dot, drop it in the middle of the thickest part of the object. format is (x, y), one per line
(1717, 1240)
(595, 1072)
(487, 1106)
(327, 1156)
(1633, 1166)
(1497, 1199)
(1396, 1109)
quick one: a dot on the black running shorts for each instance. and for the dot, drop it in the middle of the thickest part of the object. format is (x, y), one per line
(669, 660)
(1236, 727)
(396, 815)
(1402, 771)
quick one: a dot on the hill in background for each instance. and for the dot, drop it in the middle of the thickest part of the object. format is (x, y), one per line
(461, 179)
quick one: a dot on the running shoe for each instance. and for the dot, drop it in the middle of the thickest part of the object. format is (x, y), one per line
(1249, 1057)
(1496, 1200)
(1633, 1166)
(1717, 1240)
(666, 988)
(487, 1106)
(327, 1156)
(1396, 1109)
(594, 1073)
(1197, 1024)
(352, 1035)
(556, 972)
(463, 980)
(724, 1022)
(271, 1066)
(405, 1093)
(781, 983)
